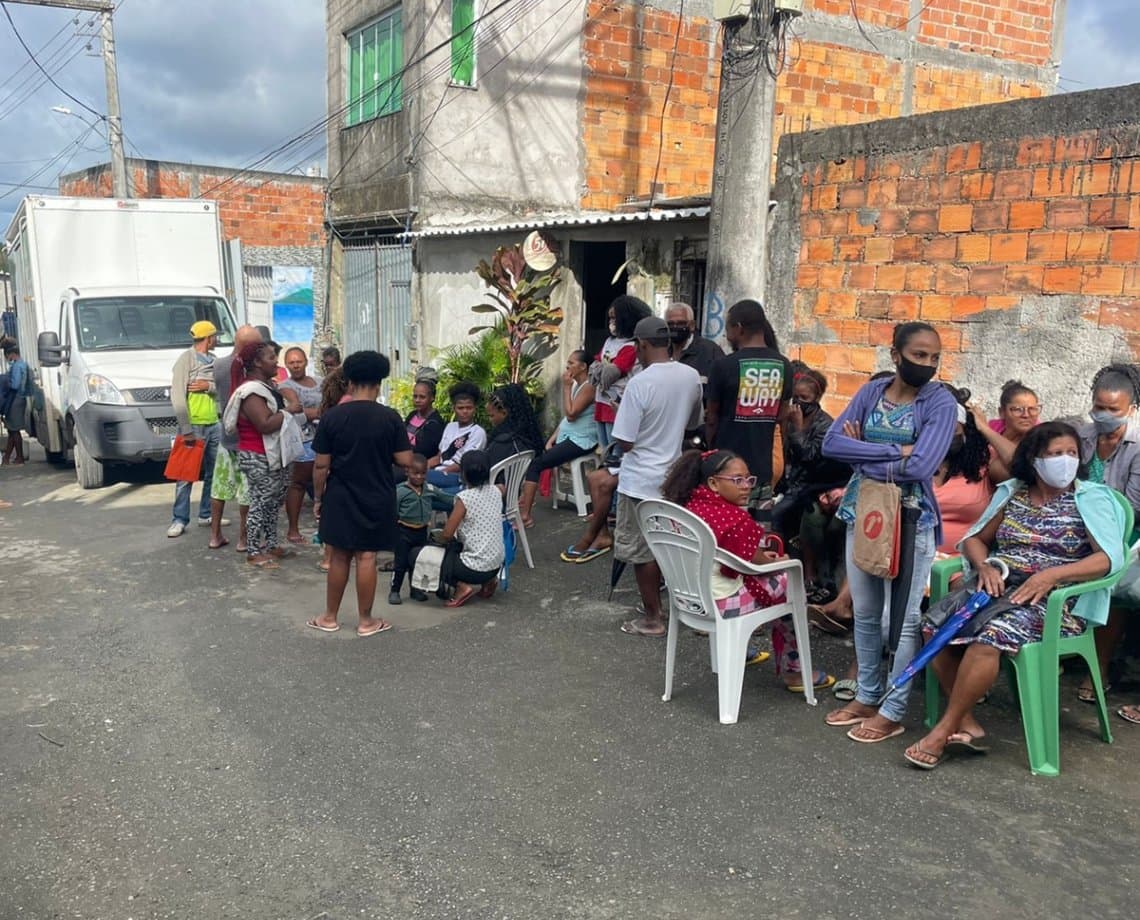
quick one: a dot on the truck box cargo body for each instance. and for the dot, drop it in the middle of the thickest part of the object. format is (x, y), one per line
(106, 291)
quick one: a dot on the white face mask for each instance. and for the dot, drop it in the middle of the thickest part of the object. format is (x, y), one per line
(613, 328)
(1058, 472)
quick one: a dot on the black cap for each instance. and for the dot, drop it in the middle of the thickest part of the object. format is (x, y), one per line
(652, 328)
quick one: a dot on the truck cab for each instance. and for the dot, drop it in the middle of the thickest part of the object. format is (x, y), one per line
(106, 372)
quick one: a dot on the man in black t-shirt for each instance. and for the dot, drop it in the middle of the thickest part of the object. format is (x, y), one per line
(689, 348)
(748, 393)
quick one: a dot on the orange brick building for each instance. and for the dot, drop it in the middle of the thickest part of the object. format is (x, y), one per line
(277, 218)
(837, 71)
(596, 121)
(1014, 229)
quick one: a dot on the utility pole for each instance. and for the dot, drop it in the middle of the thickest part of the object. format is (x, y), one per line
(742, 167)
(119, 186)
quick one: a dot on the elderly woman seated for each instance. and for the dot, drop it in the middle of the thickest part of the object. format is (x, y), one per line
(1050, 528)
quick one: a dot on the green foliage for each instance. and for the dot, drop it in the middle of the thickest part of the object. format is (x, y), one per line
(484, 361)
(520, 300)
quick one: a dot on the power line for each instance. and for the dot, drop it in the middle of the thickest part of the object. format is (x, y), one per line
(51, 79)
(15, 73)
(323, 123)
(13, 106)
(665, 103)
(28, 182)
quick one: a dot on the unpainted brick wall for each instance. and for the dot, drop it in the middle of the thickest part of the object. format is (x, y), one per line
(1014, 229)
(258, 209)
(627, 49)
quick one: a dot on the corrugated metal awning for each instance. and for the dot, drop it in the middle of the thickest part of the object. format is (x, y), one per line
(569, 220)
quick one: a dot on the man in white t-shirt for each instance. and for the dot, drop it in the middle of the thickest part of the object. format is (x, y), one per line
(659, 405)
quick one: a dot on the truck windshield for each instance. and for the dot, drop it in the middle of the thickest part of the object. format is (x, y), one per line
(147, 322)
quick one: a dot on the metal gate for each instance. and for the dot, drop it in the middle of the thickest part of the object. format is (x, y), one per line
(378, 300)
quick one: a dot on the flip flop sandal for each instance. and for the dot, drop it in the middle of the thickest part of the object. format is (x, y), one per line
(224, 542)
(965, 743)
(384, 628)
(1088, 695)
(822, 621)
(758, 658)
(321, 567)
(592, 554)
(922, 764)
(821, 680)
(633, 628)
(845, 690)
(278, 553)
(1129, 714)
(315, 624)
(460, 599)
(570, 554)
(883, 735)
(265, 564)
(851, 719)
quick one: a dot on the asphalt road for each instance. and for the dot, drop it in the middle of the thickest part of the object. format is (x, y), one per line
(175, 744)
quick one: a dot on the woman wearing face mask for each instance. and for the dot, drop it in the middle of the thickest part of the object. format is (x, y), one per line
(895, 429)
(1110, 448)
(616, 363)
(1049, 527)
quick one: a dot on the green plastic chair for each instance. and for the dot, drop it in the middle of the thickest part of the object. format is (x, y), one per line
(1034, 672)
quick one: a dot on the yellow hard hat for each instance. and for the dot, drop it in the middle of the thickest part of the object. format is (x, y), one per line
(202, 329)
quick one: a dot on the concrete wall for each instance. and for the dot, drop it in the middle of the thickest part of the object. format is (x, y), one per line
(1013, 228)
(446, 285)
(510, 145)
(369, 179)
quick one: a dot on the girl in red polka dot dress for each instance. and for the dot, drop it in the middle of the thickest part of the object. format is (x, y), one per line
(715, 486)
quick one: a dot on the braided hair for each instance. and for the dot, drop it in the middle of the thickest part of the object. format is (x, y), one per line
(520, 420)
(971, 459)
(1118, 378)
(690, 470)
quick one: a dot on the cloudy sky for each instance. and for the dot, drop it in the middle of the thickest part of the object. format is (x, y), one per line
(223, 81)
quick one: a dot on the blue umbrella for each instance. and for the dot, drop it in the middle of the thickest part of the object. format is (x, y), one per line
(949, 629)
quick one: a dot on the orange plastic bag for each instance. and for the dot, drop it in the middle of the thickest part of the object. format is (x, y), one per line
(185, 463)
(545, 483)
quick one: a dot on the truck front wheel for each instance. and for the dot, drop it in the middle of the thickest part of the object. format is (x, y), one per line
(89, 471)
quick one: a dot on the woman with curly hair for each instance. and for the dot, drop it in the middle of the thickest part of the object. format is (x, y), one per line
(963, 485)
(514, 427)
(1110, 448)
(354, 492)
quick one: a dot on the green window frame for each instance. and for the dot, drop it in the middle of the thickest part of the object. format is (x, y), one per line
(463, 42)
(375, 84)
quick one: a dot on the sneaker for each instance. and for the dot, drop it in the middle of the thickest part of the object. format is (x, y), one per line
(205, 522)
(176, 529)
(417, 595)
(394, 597)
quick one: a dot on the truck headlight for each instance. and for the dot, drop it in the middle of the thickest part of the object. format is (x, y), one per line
(101, 390)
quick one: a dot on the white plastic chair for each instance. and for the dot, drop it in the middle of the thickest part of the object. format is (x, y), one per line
(686, 551)
(513, 470)
(578, 488)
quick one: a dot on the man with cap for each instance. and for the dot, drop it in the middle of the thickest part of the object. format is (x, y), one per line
(659, 405)
(192, 393)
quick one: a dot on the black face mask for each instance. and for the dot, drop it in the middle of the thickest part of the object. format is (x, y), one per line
(807, 408)
(679, 335)
(915, 375)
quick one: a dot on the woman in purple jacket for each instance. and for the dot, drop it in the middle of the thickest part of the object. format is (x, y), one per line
(896, 429)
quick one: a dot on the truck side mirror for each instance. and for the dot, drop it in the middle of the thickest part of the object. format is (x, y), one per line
(48, 350)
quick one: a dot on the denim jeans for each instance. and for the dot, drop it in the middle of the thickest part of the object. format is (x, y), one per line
(211, 434)
(871, 598)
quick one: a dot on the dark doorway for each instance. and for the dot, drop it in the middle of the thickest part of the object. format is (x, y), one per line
(594, 264)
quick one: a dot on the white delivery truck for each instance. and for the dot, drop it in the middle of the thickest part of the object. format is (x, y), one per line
(106, 291)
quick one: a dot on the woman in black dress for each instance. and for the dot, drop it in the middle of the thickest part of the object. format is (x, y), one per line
(354, 491)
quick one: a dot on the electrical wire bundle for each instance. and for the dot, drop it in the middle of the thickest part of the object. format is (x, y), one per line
(760, 41)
